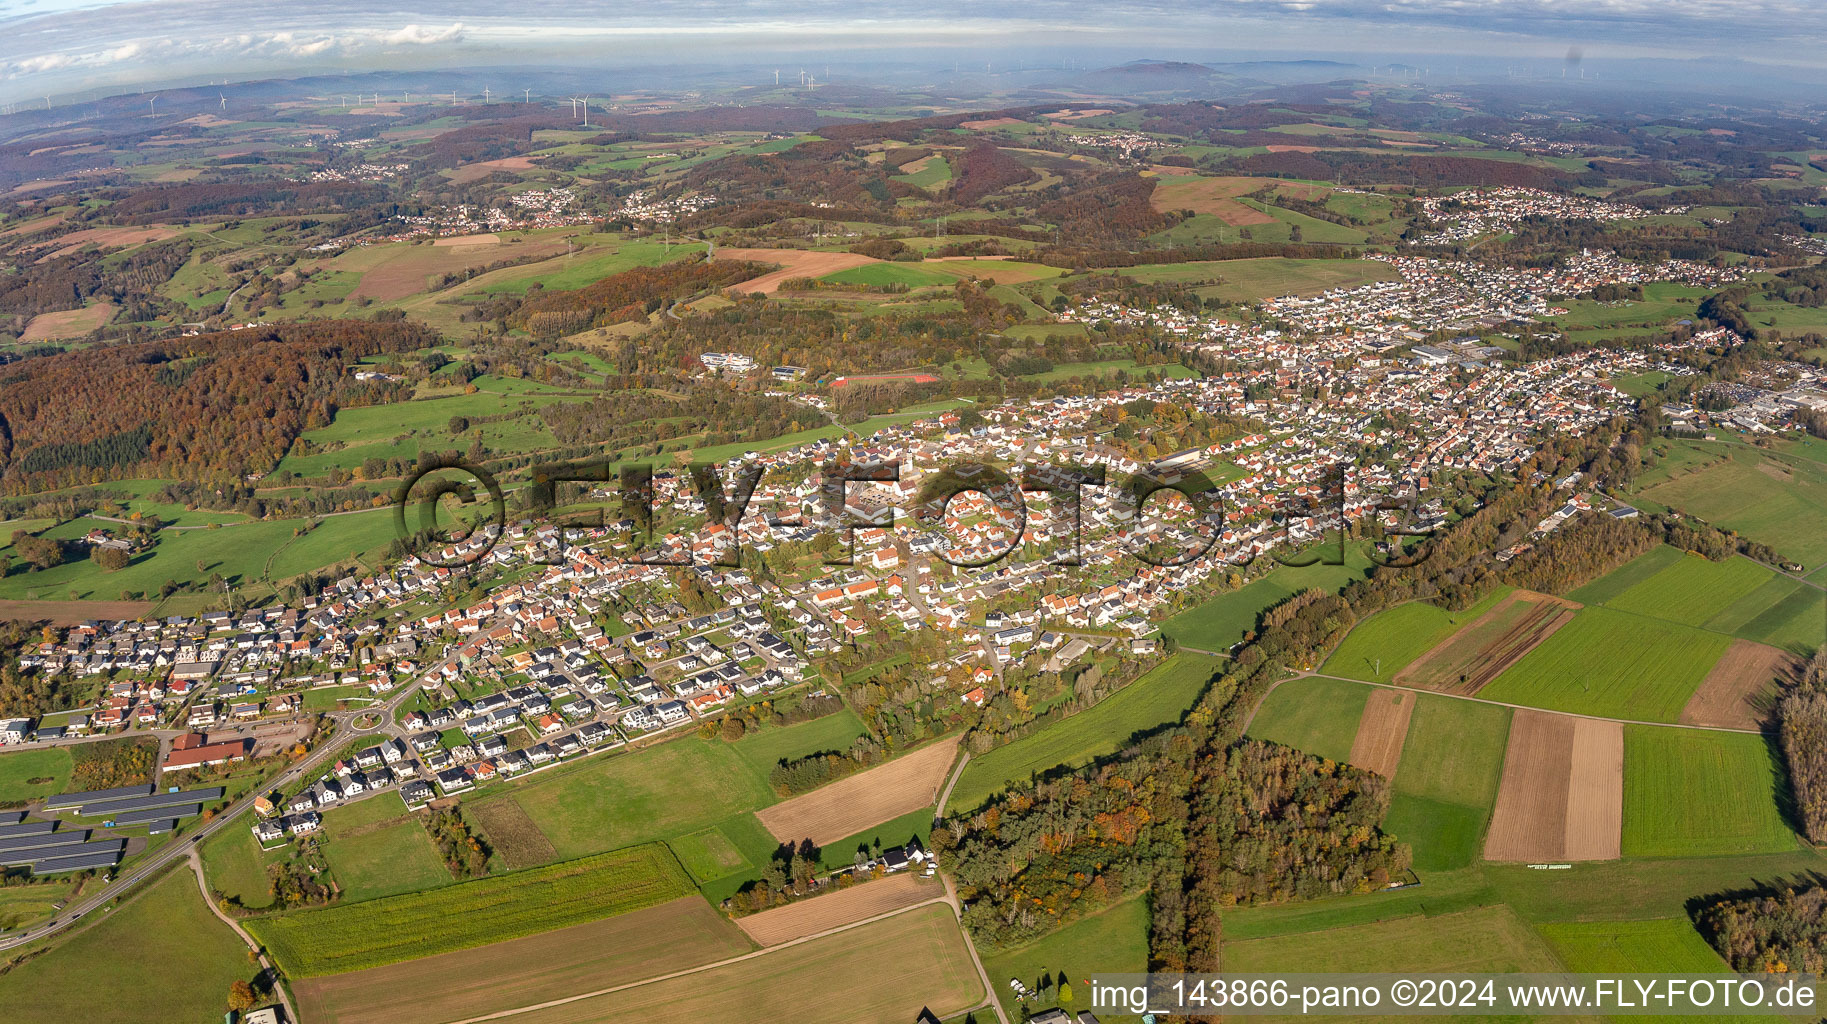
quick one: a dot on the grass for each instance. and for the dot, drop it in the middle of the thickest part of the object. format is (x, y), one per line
(1269, 277)
(1319, 716)
(1628, 575)
(1692, 590)
(377, 849)
(1667, 945)
(163, 954)
(1489, 939)
(1112, 941)
(29, 774)
(24, 904)
(1612, 664)
(354, 936)
(1385, 644)
(1160, 696)
(1223, 621)
(236, 867)
(1694, 793)
(1777, 496)
(658, 792)
(911, 275)
(768, 747)
(1446, 783)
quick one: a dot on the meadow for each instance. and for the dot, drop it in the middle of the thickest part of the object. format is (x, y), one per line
(1691, 793)
(1692, 590)
(132, 948)
(1221, 622)
(371, 933)
(28, 774)
(376, 848)
(1738, 596)
(1452, 761)
(1490, 939)
(1384, 644)
(237, 867)
(1777, 496)
(1659, 946)
(1159, 697)
(1316, 715)
(1267, 277)
(1612, 664)
(1113, 941)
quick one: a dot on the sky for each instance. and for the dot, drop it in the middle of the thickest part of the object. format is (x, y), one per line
(85, 48)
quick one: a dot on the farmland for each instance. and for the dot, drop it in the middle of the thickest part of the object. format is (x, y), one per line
(1317, 715)
(1159, 697)
(1689, 793)
(1381, 646)
(1383, 731)
(376, 848)
(1562, 790)
(1485, 939)
(133, 948)
(1778, 496)
(1692, 590)
(28, 774)
(376, 932)
(837, 979)
(1243, 280)
(1660, 946)
(846, 906)
(682, 933)
(1615, 664)
(870, 797)
(1491, 643)
(1452, 762)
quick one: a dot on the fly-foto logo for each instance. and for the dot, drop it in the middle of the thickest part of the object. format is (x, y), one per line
(461, 512)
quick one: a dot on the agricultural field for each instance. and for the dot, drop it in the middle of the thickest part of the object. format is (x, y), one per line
(1561, 798)
(1475, 655)
(1159, 697)
(1777, 496)
(1446, 782)
(354, 936)
(883, 793)
(1380, 647)
(1659, 946)
(30, 774)
(133, 947)
(1267, 277)
(1113, 940)
(1316, 715)
(1222, 622)
(21, 905)
(1383, 731)
(767, 747)
(1693, 590)
(833, 910)
(837, 979)
(1614, 664)
(682, 933)
(1485, 939)
(1737, 596)
(1689, 793)
(377, 848)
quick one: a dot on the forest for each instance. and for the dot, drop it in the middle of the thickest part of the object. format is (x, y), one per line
(1802, 713)
(1786, 932)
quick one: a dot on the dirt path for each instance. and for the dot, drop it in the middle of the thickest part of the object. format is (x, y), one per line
(285, 999)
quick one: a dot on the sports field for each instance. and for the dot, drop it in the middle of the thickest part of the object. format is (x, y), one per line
(881, 973)
(1689, 793)
(373, 933)
(1315, 715)
(1613, 664)
(1452, 761)
(163, 953)
(672, 936)
(1159, 697)
(1384, 644)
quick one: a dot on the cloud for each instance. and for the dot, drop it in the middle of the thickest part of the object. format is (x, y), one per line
(419, 35)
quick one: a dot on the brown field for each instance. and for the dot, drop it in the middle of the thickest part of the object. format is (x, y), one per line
(1073, 115)
(683, 933)
(402, 270)
(848, 806)
(994, 122)
(1280, 148)
(880, 973)
(918, 165)
(513, 835)
(1378, 745)
(1562, 796)
(489, 239)
(107, 238)
(476, 172)
(35, 224)
(1238, 215)
(1740, 690)
(794, 263)
(68, 323)
(1218, 195)
(1499, 638)
(848, 906)
(72, 613)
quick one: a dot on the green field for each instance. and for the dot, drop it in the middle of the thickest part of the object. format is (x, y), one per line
(1160, 696)
(1609, 586)
(1661, 946)
(24, 904)
(1452, 761)
(1268, 277)
(1113, 940)
(161, 957)
(1694, 793)
(354, 936)
(877, 274)
(604, 803)
(1317, 715)
(1222, 622)
(376, 848)
(1776, 496)
(1613, 664)
(769, 746)
(1384, 644)
(28, 774)
(1693, 590)
(236, 867)
(1486, 939)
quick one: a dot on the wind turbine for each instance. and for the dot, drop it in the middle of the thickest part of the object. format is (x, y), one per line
(485, 94)
(528, 93)
(586, 111)
(219, 96)
(776, 76)
(152, 104)
(573, 100)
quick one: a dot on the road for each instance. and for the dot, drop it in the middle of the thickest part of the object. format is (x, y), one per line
(285, 999)
(340, 726)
